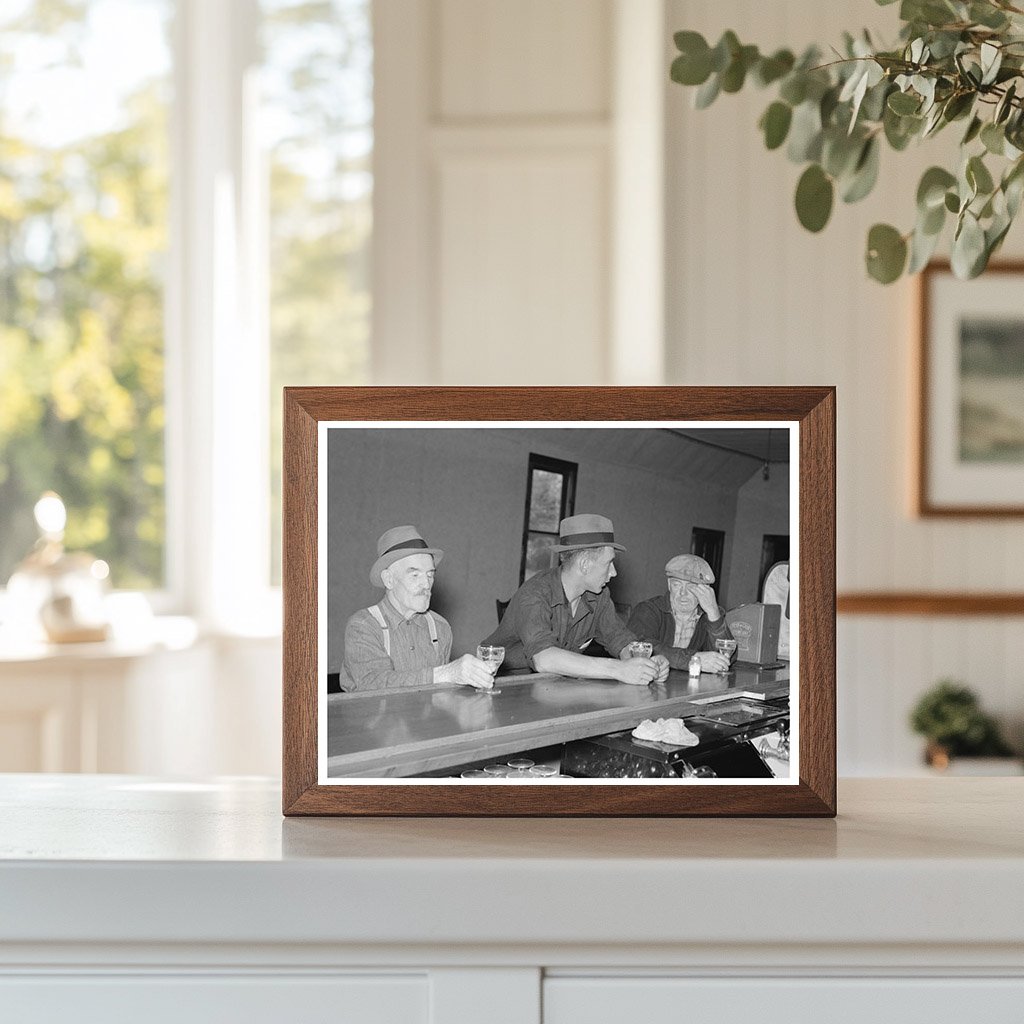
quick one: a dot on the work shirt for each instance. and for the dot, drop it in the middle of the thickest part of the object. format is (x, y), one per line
(539, 617)
(368, 666)
(654, 622)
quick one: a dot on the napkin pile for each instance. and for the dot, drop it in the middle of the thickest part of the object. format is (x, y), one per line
(666, 730)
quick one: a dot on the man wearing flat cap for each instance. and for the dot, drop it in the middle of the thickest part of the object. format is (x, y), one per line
(555, 615)
(399, 642)
(686, 621)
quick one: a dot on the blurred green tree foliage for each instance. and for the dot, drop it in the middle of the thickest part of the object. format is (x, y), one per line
(83, 228)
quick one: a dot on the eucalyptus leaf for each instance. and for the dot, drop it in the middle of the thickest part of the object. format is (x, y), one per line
(735, 74)
(968, 247)
(771, 69)
(900, 130)
(1013, 191)
(972, 132)
(991, 59)
(958, 105)
(922, 248)
(931, 190)
(775, 123)
(978, 175)
(903, 103)
(987, 15)
(840, 152)
(886, 253)
(865, 174)
(707, 93)
(993, 138)
(814, 194)
(952, 202)
(932, 221)
(794, 88)
(873, 106)
(725, 50)
(805, 133)
(1004, 106)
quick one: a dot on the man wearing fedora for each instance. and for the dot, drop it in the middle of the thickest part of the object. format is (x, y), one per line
(399, 642)
(685, 621)
(556, 614)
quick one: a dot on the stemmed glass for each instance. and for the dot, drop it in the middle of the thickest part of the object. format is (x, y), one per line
(726, 647)
(492, 656)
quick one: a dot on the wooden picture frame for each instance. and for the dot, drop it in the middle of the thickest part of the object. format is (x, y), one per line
(970, 416)
(809, 416)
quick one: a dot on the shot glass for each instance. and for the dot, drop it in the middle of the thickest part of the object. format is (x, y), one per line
(640, 649)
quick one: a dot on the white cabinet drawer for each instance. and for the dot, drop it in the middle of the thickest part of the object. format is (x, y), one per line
(202, 999)
(570, 1000)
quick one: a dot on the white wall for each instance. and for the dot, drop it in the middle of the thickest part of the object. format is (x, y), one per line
(754, 299)
(762, 506)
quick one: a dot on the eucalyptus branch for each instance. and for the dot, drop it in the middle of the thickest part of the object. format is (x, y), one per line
(833, 117)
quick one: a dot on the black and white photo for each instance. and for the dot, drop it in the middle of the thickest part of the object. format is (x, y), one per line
(576, 603)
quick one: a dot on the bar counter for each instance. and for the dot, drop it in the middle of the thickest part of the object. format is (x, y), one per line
(399, 733)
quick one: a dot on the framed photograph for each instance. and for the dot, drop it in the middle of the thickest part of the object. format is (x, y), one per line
(971, 393)
(559, 601)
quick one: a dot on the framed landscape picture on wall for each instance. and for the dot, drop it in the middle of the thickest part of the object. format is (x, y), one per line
(559, 601)
(970, 450)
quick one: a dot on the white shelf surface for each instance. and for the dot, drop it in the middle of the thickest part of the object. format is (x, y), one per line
(108, 859)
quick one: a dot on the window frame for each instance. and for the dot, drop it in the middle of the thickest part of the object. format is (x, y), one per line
(569, 472)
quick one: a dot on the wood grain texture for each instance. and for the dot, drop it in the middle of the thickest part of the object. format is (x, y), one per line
(812, 407)
(924, 603)
(299, 596)
(923, 503)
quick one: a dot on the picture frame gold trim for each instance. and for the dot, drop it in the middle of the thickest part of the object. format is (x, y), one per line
(814, 408)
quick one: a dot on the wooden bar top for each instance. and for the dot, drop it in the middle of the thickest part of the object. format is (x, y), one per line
(398, 733)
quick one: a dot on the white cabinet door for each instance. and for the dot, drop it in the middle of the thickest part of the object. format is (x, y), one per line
(202, 999)
(570, 1000)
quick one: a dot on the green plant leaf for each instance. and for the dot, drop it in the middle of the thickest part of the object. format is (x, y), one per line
(931, 191)
(873, 107)
(735, 74)
(987, 15)
(805, 133)
(968, 247)
(991, 60)
(771, 69)
(931, 222)
(1004, 106)
(900, 130)
(687, 71)
(903, 103)
(958, 105)
(794, 89)
(887, 253)
(707, 93)
(839, 151)
(775, 124)
(993, 138)
(865, 173)
(978, 176)
(973, 129)
(725, 50)
(922, 247)
(814, 193)
(952, 202)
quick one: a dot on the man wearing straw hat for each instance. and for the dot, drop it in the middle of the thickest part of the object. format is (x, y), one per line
(555, 615)
(399, 642)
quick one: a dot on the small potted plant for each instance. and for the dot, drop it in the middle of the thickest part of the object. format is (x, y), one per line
(950, 718)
